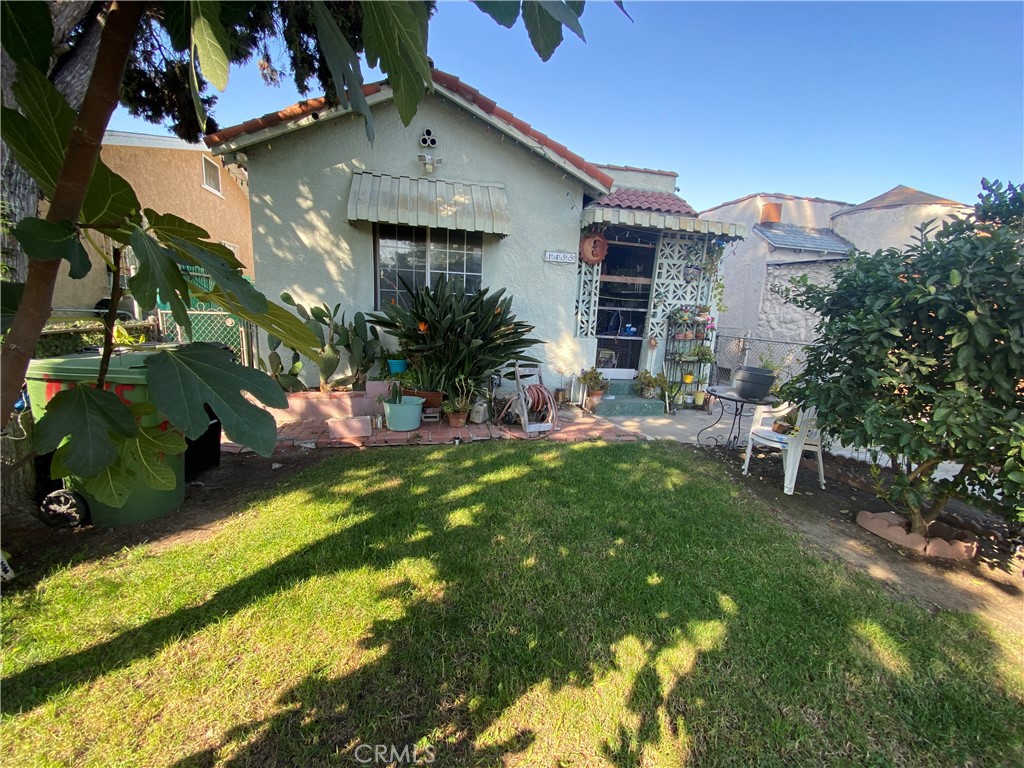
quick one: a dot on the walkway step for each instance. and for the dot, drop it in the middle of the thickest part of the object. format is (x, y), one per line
(625, 405)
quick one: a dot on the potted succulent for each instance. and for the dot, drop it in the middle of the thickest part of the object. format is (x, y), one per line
(460, 400)
(402, 412)
(704, 312)
(645, 383)
(596, 384)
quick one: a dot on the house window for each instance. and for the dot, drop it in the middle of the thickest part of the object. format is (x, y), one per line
(211, 175)
(418, 255)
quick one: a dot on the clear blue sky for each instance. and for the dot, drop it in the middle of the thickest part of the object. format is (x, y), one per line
(835, 100)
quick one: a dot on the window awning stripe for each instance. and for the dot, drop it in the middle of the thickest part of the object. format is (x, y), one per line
(422, 202)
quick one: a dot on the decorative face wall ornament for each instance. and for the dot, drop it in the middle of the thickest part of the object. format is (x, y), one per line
(593, 248)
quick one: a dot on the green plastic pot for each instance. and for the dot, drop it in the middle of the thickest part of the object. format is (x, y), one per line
(404, 416)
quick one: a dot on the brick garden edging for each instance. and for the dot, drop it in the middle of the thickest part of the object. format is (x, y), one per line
(962, 545)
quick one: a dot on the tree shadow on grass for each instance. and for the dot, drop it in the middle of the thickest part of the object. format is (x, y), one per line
(594, 603)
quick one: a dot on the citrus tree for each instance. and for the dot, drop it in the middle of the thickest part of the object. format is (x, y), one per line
(170, 44)
(920, 355)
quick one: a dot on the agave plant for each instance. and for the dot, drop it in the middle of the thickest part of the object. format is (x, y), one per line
(449, 334)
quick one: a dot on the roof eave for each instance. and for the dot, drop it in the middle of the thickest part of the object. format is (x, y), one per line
(669, 222)
(240, 142)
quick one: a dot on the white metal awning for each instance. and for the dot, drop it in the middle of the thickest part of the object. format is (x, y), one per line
(422, 202)
(671, 222)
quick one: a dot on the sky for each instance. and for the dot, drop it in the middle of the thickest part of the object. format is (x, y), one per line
(836, 100)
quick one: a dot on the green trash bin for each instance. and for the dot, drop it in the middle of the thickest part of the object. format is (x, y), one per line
(126, 377)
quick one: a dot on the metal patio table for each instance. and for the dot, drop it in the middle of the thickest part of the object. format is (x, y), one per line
(731, 403)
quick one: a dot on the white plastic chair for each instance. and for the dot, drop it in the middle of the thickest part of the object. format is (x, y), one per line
(804, 437)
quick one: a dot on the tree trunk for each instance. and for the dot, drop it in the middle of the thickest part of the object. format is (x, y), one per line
(19, 191)
(83, 150)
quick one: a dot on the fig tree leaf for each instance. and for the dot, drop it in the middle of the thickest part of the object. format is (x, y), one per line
(395, 36)
(87, 417)
(26, 32)
(343, 63)
(182, 380)
(48, 241)
(158, 275)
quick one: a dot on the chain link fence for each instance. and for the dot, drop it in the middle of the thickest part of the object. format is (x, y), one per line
(214, 326)
(787, 358)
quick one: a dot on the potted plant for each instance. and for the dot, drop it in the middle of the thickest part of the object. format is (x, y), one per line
(460, 400)
(682, 315)
(448, 333)
(701, 393)
(645, 383)
(704, 355)
(703, 312)
(402, 412)
(397, 360)
(596, 384)
(687, 378)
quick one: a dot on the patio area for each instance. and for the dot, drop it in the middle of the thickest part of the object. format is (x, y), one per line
(574, 426)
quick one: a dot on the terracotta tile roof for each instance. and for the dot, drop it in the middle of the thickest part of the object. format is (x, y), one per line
(900, 196)
(644, 200)
(294, 112)
(445, 80)
(472, 95)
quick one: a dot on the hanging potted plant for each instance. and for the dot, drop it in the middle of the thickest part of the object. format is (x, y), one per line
(593, 247)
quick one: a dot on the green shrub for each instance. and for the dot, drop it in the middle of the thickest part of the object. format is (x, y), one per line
(449, 334)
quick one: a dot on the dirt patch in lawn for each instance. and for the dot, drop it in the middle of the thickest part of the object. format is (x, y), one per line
(991, 586)
(216, 494)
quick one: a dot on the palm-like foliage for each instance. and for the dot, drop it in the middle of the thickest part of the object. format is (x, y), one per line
(449, 334)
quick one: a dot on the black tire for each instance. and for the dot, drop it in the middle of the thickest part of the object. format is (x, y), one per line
(64, 509)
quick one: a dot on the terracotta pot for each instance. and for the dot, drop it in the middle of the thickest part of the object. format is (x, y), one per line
(594, 397)
(687, 335)
(430, 399)
(457, 419)
(680, 336)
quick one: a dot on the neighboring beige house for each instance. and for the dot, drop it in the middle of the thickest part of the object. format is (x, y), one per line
(170, 176)
(793, 236)
(469, 190)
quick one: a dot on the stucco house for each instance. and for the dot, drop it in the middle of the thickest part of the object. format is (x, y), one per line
(472, 191)
(793, 236)
(170, 176)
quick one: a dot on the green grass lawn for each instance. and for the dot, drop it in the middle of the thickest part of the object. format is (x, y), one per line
(505, 604)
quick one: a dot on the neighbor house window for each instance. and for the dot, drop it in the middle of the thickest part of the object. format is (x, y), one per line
(419, 256)
(211, 174)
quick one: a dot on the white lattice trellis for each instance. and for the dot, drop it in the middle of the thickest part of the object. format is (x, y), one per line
(589, 280)
(676, 256)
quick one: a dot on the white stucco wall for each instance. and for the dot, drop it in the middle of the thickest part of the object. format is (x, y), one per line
(743, 264)
(781, 321)
(896, 227)
(304, 243)
(640, 179)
